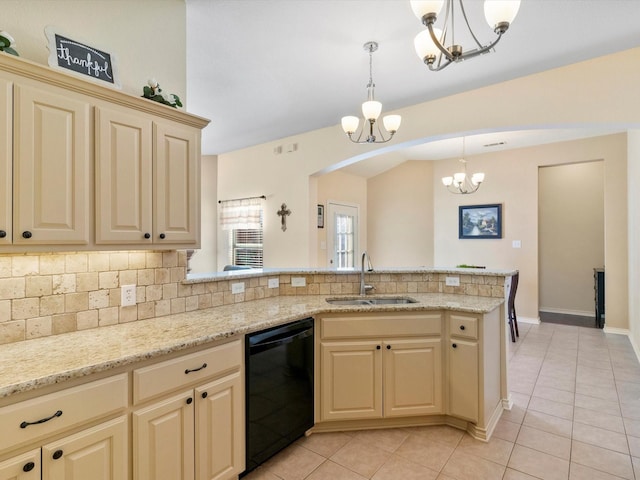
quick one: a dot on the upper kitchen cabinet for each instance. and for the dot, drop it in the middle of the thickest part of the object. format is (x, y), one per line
(84, 166)
(147, 181)
(51, 160)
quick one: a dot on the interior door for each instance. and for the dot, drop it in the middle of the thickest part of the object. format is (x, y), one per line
(342, 235)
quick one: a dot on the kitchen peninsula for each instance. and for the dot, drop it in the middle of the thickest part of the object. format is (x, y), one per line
(127, 362)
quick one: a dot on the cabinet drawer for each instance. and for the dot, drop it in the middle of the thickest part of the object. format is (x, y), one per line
(26, 421)
(463, 326)
(164, 377)
(381, 325)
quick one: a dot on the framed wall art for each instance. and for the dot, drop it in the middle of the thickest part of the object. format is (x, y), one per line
(480, 221)
(320, 216)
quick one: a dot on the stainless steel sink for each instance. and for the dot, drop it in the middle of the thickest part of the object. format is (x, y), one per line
(371, 301)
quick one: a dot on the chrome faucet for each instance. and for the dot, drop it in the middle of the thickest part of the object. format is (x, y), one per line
(365, 288)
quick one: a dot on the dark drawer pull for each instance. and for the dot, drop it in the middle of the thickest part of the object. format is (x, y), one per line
(3, 234)
(189, 401)
(388, 347)
(42, 420)
(205, 394)
(26, 234)
(57, 454)
(147, 236)
(188, 371)
(28, 466)
(378, 347)
(454, 345)
(162, 236)
(461, 327)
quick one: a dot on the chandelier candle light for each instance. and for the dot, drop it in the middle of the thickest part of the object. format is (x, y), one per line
(430, 44)
(371, 110)
(460, 182)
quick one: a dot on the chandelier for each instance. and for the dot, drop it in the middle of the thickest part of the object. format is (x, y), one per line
(371, 110)
(431, 45)
(460, 182)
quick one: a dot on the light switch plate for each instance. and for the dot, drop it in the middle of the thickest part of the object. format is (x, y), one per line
(298, 281)
(274, 283)
(452, 281)
(516, 244)
(127, 295)
(237, 287)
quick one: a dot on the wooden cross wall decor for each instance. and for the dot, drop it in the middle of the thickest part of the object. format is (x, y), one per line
(283, 213)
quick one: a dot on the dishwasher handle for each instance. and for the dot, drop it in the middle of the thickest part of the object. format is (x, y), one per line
(278, 341)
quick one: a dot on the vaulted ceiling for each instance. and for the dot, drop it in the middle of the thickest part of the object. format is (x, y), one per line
(267, 69)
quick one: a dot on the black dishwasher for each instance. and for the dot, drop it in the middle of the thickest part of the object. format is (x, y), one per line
(279, 388)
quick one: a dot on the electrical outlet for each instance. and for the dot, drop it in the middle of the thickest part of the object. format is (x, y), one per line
(128, 295)
(274, 283)
(452, 281)
(237, 287)
(298, 281)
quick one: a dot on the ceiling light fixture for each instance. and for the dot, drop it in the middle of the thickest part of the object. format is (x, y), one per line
(460, 182)
(371, 110)
(430, 44)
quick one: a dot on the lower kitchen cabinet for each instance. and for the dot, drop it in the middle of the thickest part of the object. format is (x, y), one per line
(463, 379)
(197, 433)
(22, 467)
(383, 376)
(98, 453)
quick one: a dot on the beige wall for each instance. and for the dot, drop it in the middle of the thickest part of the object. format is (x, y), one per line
(512, 180)
(401, 228)
(571, 235)
(205, 259)
(148, 37)
(339, 187)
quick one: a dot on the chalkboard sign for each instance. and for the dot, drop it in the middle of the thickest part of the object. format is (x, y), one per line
(80, 58)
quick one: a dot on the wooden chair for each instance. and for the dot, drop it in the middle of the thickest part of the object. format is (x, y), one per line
(511, 308)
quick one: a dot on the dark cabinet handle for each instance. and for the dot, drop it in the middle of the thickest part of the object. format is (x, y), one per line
(188, 371)
(388, 347)
(27, 234)
(147, 236)
(162, 236)
(57, 454)
(378, 347)
(189, 401)
(25, 424)
(461, 327)
(205, 394)
(3, 234)
(28, 466)
(454, 345)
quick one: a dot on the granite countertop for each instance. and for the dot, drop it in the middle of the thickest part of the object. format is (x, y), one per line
(36, 363)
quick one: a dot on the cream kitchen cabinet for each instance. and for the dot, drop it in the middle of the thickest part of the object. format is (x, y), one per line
(473, 368)
(85, 167)
(198, 432)
(87, 450)
(46, 150)
(147, 180)
(380, 366)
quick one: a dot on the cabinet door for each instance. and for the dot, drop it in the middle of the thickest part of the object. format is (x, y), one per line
(98, 453)
(163, 439)
(177, 184)
(350, 380)
(123, 178)
(6, 161)
(220, 435)
(463, 379)
(412, 377)
(51, 168)
(21, 467)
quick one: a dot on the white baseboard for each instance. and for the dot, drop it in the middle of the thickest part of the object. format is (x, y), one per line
(618, 331)
(582, 313)
(532, 321)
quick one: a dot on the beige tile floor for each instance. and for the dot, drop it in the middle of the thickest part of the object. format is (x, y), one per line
(576, 416)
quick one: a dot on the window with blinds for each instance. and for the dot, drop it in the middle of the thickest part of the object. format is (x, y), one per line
(246, 247)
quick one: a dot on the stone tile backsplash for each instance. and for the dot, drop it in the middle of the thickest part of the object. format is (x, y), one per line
(49, 294)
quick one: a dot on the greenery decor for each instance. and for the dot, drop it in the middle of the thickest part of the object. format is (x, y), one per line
(152, 91)
(6, 41)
